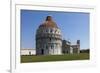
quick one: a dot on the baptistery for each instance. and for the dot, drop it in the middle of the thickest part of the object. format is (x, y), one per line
(48, 38)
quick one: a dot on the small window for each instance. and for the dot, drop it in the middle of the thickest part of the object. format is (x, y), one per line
(50, 39)
(51, 30)
(29, 53)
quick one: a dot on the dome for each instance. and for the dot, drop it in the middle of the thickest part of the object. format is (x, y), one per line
(49, 23)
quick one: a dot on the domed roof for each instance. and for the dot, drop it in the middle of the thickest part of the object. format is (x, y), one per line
(49, 23)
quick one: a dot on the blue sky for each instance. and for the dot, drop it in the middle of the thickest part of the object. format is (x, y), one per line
(73, 25)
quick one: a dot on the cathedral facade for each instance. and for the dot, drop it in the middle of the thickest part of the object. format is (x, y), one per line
(48, 38)
(68, 48)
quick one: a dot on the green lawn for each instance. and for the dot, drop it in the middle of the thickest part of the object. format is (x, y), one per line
(46, 58)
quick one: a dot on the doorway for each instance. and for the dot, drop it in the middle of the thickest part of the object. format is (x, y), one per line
(42, 51)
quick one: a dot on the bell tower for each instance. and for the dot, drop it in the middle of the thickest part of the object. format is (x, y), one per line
(78, 46)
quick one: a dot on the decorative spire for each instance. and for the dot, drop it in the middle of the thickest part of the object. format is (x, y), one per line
(48, 18)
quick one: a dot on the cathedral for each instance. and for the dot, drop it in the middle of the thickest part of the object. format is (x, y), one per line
(49, 40)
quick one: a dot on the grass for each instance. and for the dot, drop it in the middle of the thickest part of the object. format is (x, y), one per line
(46, 58)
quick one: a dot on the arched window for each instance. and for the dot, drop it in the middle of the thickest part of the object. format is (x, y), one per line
(47, 30)
(52, 46)
(50, 39)
(42, 51)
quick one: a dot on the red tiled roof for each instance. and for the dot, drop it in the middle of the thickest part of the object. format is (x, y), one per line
(49, 23)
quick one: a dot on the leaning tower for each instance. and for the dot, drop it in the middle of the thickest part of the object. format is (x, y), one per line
(78, 46)
(48, 38)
